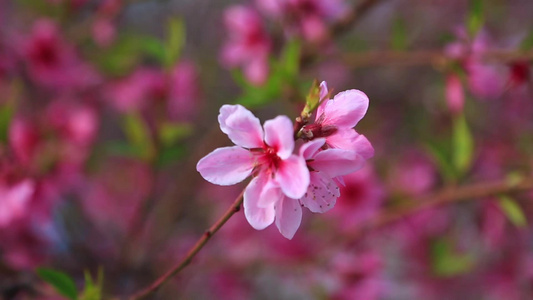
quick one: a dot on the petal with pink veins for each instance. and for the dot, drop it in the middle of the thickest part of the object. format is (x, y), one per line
(337, 162)
(346, 109)
(258, 217)
(226, 166)
(241, 126)
(322, 193)
(293, 176)
(270, 194)
(279, 135)
(288, 216)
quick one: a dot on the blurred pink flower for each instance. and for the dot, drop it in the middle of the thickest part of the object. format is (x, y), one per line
(280, 176)
(360, 199)
(306, 18)
(455, 97)
(248, 45)
(52, 62)
(14, 200)
(103, 31)
(183, 91)
(114, 193)
(138, 90)
(178, 91)
(485, 80)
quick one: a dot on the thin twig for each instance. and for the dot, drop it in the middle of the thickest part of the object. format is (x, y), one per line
(475, 191)
(235, 207)
(427, 57)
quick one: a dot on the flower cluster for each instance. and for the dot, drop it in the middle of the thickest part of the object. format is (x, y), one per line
(283, 181)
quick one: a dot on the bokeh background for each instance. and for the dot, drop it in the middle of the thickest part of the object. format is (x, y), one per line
(106, 106)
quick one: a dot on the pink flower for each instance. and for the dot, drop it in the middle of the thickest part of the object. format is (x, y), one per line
(14, 201)
(183, 91)
(455, 97)
(248, 45)
(306, 18)
(280, 177)
(52, 62)
(336, 118)
(324, 167)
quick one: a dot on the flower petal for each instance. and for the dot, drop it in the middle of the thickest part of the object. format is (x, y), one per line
(323, 94)
(337, 162)
(288, 216)
(346, 109)
(322, 193)
(349, 139)
(226, 166)
(279, 135)
(241, 126)
(258, 217)
(293, 176)
(270, 194)
(309, 149)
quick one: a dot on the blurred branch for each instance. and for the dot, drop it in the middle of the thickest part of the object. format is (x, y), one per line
(235, 207)
(446, 196)
(336, 29)
(352, 17)
(427, 57)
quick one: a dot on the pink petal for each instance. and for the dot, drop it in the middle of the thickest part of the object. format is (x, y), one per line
(279, 135)
(323, 94)
(226, 166)
(349, 139)
(293, 176)
(346, 109)
(309, 149)
(258, 217)
(322, 193)
(270, 194)
(337, 162)
(363, 147)
(241, 126)
(256, 70)
(288, 216)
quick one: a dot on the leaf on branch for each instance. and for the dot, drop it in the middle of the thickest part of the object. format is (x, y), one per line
(463, 145)
(512, 211)
(62, 282)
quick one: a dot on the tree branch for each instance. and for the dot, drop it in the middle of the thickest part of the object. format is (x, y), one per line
(185, 261)
(446, 196)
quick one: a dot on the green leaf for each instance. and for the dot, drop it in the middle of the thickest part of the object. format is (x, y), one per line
(463, 145)
(175, 41)
(170, 133)
(290, 59)
(512, 211)
(8, 108)
(122, 57)
(170, 155)
(475, 17)
(60, 281)
(527, 43)
(399, 35)
(93, 291)
(138, 135)
(442, 159)
(154, 48)
(448, 263)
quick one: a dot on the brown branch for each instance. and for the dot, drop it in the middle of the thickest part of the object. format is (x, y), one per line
(235, 207)
(427, 57)
(446, 196)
